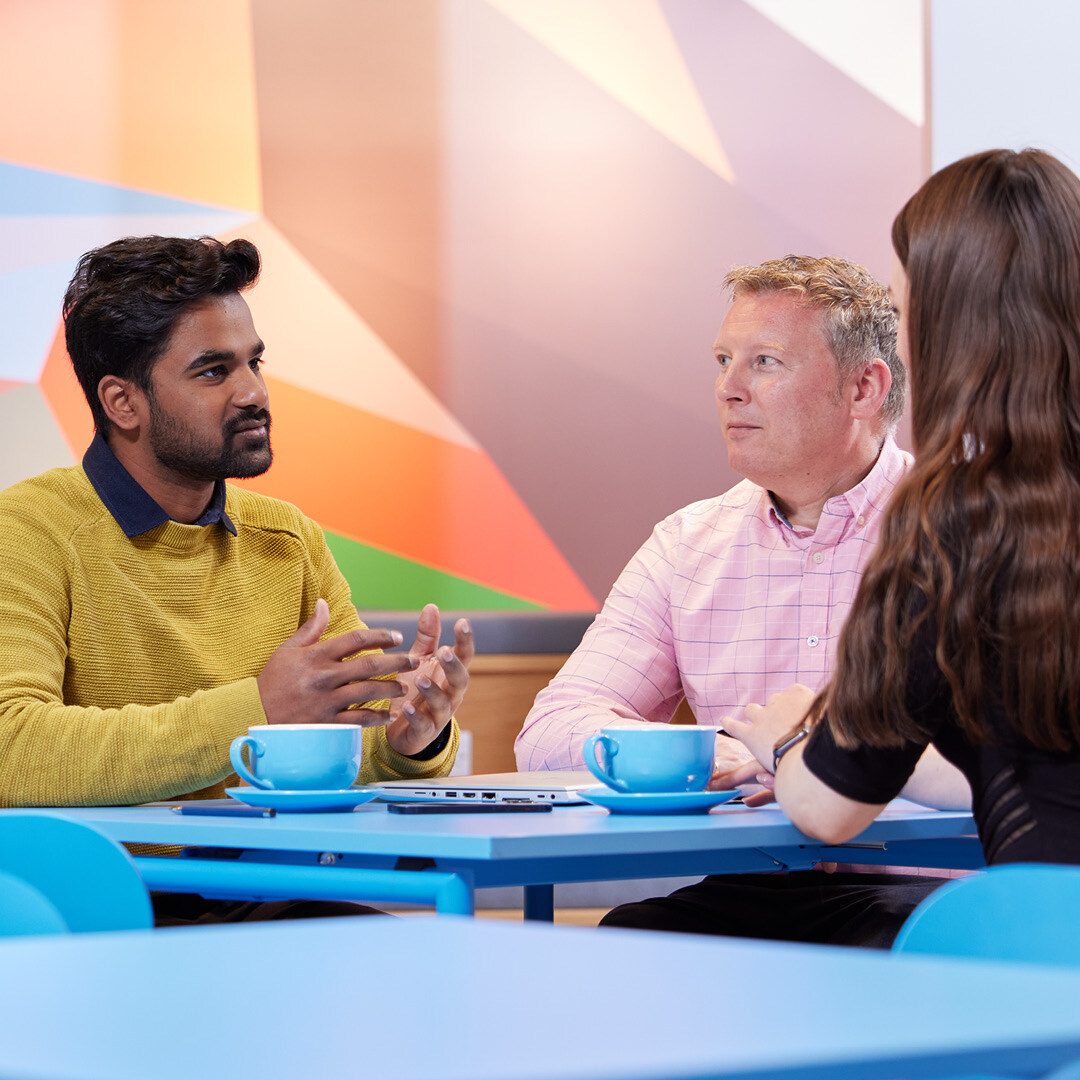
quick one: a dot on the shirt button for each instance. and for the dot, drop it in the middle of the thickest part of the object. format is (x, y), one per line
(818, 557)
(812, 640)
(860, 521)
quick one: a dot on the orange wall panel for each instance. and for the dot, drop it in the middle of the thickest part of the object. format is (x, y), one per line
(413, 495)
(148, 94)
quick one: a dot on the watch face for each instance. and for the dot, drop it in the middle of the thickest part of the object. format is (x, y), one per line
(785, 746)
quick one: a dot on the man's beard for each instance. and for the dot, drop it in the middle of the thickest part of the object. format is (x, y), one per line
(177, 448)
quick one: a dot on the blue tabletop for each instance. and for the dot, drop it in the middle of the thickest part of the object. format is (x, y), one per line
(458, 999)
(566, 831)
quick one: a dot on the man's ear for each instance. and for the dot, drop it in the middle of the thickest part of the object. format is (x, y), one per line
(124, 403)
(869, 388)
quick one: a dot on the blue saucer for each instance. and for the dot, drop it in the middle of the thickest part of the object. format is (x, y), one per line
(303, 802)
(648, 802)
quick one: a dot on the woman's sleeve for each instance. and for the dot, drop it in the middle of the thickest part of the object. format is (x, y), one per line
(867, 774)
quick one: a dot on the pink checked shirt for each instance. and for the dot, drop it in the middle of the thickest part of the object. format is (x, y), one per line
(726, 604)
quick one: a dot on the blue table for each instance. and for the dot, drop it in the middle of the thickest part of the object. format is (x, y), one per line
(461, 999)
(440, 859)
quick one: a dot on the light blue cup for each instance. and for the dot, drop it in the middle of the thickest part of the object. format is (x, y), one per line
(656, 758)
(299, 757)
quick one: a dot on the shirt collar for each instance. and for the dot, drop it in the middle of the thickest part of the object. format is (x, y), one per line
(873, 491)
(868, 496)
(128, 502)
(776, 513)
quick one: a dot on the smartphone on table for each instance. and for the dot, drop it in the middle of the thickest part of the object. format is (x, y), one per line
(222, 808)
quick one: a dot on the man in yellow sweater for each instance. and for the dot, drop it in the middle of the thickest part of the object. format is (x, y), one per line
(149, 614)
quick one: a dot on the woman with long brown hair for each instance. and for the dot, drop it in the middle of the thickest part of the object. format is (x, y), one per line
(965, 635)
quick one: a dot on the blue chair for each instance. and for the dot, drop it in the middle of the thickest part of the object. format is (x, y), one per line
(1066, 1072)
(1020, 911)
(58, 875)
(25, 910)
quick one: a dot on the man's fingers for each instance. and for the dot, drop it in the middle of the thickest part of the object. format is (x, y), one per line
(464, 645)
(361, 692)
(455, 671)
(363, 717)
(353, 669)
(361, 641)
(434, 694)
(368, 666)
(747, 773)
(454, 668)
(428, 631)
(760, 798)
(437, 702)
(729, 754)
(308, 633)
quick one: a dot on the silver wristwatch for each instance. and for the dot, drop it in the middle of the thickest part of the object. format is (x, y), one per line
(787, 744)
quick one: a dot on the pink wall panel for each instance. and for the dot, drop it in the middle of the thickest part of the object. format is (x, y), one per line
(586, 251)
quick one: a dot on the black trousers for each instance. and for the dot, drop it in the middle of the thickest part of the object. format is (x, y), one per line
(188, 909)
(801, 905)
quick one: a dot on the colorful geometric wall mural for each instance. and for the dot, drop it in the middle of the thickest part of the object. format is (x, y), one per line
(494, 234)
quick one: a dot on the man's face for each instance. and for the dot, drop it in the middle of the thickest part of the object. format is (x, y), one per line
(208, 402)
(785, 419)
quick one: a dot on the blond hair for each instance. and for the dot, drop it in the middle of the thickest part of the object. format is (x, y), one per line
(860, 324)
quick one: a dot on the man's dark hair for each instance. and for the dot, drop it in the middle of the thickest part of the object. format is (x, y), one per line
(123, 302)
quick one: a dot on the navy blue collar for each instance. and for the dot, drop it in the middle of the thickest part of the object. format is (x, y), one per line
(134, 510)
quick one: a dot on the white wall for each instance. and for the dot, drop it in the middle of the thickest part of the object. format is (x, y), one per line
(1004, 74)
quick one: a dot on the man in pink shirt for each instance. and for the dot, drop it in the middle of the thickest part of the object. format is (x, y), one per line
(736, 597)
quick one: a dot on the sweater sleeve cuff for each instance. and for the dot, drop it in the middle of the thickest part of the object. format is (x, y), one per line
(229, 711)
(385, 763)
(436, 746)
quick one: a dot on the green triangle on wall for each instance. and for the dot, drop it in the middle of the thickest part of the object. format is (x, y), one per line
(382, 581)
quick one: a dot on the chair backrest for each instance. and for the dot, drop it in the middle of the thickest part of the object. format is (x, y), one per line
(82, 879)
(1021, 911)
(25, 910)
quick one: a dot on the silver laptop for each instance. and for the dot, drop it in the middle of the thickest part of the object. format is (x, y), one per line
(557, 788)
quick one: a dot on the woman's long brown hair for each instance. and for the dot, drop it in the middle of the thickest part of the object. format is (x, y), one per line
(982, 537)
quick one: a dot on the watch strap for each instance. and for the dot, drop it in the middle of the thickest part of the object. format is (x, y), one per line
(787, 744)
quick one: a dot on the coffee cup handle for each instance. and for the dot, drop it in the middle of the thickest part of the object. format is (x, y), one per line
(610, 750)
(236, 756)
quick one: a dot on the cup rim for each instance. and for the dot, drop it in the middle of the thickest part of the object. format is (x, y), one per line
(655, 728)
(258, 729)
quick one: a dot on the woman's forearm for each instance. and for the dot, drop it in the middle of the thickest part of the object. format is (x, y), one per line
(816, 808)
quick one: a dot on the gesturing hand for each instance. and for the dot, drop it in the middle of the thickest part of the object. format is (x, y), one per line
(435, 686)
(308, 681)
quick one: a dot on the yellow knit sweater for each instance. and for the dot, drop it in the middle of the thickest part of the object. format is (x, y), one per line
(127, 666)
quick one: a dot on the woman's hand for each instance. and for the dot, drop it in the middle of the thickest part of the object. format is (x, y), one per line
(765, 725)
